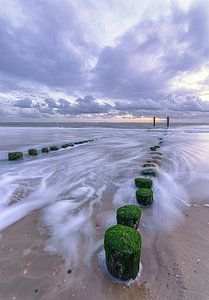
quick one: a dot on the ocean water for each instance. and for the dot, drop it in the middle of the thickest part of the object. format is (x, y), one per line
(77, 190)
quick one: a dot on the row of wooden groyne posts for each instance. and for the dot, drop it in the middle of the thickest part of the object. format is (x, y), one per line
(34, 152)
(122, 242)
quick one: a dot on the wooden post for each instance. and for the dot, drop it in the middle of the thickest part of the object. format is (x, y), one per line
(168, 121)
(154, 121)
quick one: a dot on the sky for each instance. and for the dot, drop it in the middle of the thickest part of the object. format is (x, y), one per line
(104, 60)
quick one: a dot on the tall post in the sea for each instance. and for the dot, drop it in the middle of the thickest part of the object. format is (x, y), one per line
(168, 121)
(153, 121)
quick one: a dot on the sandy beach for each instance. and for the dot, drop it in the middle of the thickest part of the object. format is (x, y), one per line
(175, 265)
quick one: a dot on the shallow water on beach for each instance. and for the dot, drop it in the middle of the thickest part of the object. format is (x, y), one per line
(79, 189)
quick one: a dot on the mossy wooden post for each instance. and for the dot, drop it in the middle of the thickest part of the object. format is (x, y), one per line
(144, 197)
(65, 146)
(149, 172)
(143, 182)
(149, 165)
(122, 246)
(168, 121)
(54, 148)
(15, 155)
(33, 152)
(78, 143)
(129, 215)
(45, 150)
(154, 148)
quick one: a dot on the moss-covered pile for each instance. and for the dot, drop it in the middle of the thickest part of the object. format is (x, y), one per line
(129, 215)
(33, 152)
(149, 165)
(144, 197)
(45, 150)
(65, 146)
(141, 182)
(15, 155)
(122, 246)
(149, 172)
(154, 148)
(54, 148)
(152, 160)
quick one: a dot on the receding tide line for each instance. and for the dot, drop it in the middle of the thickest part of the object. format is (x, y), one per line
(34, 152)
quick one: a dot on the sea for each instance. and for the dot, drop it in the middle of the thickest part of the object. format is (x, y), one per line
(77, 190)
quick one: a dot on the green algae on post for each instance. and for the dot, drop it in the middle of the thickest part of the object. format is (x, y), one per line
(129, 215)
(45, 150)
(65, 146)
(143, 182)
(154, 148)
(33, 152)
(157, 162)
(144, 197)
(149, 165)
(122, 246)
(54, 148)
(68, 145)
(15, 155)
(148, 172)
(81, 142)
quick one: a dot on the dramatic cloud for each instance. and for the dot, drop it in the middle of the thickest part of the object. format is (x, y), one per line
(43, 46)
(23, 103)
(151, 54)
(88, 105)
(128, 55)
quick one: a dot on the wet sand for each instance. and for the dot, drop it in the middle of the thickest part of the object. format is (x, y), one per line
(175, 265)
